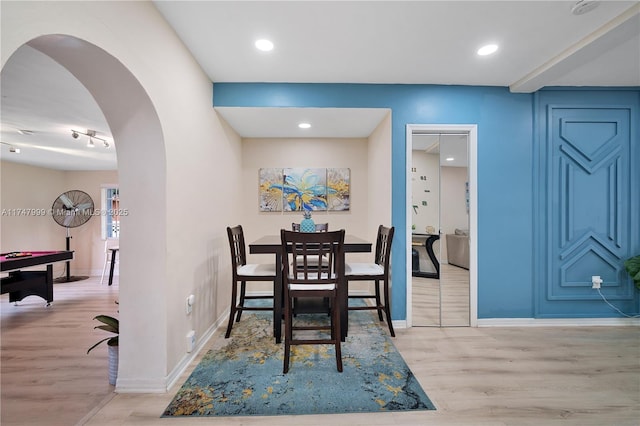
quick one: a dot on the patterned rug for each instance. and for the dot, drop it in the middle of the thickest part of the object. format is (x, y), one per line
(242, 375)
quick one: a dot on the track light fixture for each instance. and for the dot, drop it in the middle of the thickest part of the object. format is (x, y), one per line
(92, 135)
(12, 148)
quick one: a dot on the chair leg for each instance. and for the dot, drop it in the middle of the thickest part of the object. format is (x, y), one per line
(243, 288)
(288, 333)
(232, 313)
(387, 309)
(378, 301)
(104, 269)
(336, 333)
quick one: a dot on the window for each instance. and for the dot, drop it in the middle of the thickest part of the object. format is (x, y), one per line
(110, 215)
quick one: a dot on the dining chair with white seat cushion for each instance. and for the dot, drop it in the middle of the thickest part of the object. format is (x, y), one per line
(314, 261)
(376, 271)
(244, 272)
(302, 280)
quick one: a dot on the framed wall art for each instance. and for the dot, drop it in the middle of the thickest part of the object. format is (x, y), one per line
(304, 189)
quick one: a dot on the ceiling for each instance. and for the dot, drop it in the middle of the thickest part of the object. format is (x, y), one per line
(541, 43)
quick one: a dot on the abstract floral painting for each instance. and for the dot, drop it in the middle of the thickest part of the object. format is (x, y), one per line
(304, 189)
(270, 192)
(338, 186)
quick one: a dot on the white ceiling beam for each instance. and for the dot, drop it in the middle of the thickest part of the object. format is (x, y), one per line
(610, 35)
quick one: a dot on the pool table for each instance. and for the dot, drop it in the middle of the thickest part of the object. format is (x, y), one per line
(20, 284)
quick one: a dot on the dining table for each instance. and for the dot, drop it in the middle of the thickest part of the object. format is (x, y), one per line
(271, 244)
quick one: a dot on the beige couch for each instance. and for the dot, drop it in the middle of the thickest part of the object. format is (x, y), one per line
(458, 248)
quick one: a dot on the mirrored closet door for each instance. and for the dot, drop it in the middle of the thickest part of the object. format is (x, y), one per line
(440, 230)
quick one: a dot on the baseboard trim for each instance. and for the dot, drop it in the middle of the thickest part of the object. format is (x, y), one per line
(144, 386)
(399, 324)
(92, 272)
(558, 322)
(140, 386)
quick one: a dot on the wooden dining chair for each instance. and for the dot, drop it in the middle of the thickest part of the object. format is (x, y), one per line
(301, 280)
(242, 273)
(320, 227)
(377, 271)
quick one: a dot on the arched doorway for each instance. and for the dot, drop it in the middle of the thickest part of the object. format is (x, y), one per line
(136, 128)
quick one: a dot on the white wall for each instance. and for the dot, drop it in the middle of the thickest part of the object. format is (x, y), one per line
(370, 197)
(369, 161)
(29, 187)
(453, 208)
(379, 182)
(425, 177)
(312, 153)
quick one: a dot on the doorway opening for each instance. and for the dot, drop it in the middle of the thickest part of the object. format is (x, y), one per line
(426, 197)
(134, 123)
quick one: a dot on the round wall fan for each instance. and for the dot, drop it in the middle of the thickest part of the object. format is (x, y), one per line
(70, 210)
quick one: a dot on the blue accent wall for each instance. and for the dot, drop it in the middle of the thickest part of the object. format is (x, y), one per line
(507, 177)
(588, 211)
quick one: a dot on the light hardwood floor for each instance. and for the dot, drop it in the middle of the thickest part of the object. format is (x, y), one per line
(441, 302)
(474, 376)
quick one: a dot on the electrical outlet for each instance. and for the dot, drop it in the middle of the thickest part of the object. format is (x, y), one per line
(596, 281)
(191, 340)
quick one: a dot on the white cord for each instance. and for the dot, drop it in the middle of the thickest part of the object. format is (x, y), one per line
(621, 313)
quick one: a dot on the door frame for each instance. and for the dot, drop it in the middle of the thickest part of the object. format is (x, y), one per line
(472, 131)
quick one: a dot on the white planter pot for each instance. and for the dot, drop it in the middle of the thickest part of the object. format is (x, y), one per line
(113, 364)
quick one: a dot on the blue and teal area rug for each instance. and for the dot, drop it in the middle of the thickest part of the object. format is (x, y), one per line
(242, 375)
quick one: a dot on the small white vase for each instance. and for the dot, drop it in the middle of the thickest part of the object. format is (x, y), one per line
(113, 364)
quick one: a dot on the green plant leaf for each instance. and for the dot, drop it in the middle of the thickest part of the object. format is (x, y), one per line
(107, 328)
(103, 340)
(110, 324)
(111, 321)
(632, 266)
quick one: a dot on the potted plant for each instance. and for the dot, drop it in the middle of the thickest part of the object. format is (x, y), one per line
(632, 265)
(111, 325)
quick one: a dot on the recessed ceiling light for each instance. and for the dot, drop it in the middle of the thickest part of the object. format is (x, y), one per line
(304, 125)
(264, 45)
(488, 49)
(449, 158)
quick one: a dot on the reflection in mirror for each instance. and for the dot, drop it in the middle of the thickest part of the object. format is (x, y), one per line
(425, 238)
(440, 229)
